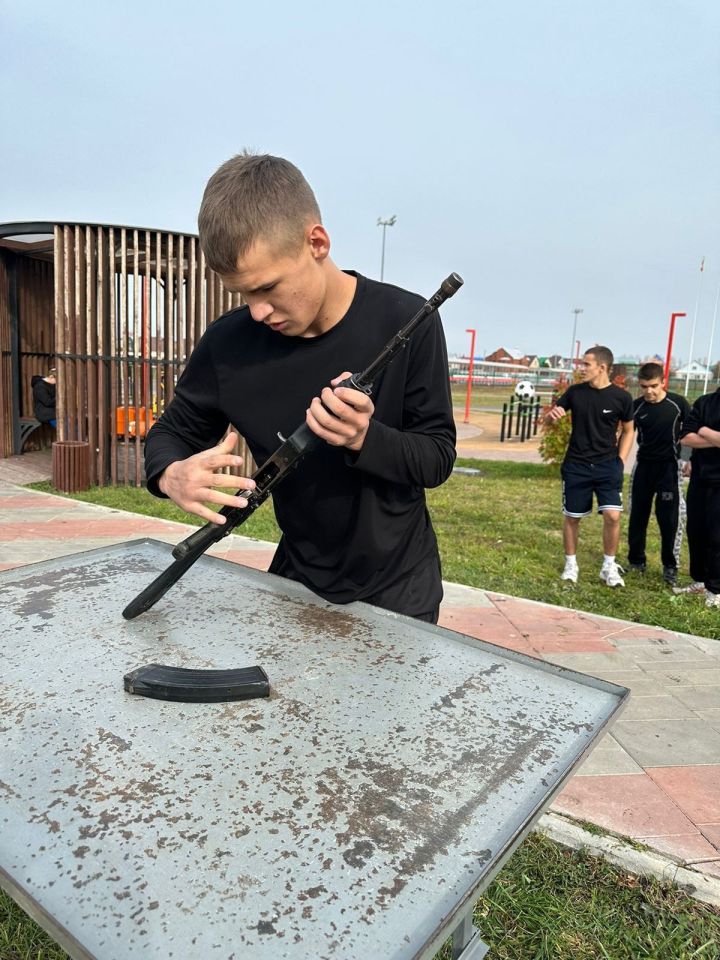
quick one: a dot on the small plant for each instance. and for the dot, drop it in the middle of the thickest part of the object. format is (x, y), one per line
(555, 433)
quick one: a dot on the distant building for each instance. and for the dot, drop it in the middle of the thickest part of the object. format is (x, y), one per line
(696, 371)
(501, 355)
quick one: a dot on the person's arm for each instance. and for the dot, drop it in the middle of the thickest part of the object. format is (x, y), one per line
(421, 452)
(697, 442)
(693, 427)
(561, 407)
(184, 451)
(712, 436)
(627, 438)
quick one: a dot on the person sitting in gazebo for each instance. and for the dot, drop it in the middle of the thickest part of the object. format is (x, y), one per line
(44, 395)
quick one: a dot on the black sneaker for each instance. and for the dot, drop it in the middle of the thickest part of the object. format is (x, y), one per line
(637, 567)
(670, 575)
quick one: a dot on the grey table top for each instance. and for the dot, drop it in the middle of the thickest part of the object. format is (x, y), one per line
(349, 815)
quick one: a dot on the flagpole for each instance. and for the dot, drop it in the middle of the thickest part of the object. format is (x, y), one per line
(694, 323)
(712, 337)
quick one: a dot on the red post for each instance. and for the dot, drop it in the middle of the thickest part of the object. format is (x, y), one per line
(470, 373)
(668, 354)
(577, 352)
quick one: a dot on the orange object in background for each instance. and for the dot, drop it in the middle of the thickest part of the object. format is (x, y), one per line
(139, 421)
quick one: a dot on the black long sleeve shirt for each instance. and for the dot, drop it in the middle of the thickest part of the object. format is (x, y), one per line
(705, 412)
(352, 524)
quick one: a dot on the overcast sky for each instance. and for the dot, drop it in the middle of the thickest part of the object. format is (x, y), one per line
(556, 153)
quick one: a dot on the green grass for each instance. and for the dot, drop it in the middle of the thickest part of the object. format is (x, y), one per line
(548, 903)
(502, 531)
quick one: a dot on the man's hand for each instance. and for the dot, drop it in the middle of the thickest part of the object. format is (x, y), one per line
(341, 415)
(555, 413)
(190, 483)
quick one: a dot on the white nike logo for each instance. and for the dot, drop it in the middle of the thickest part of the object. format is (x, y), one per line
(607, 411)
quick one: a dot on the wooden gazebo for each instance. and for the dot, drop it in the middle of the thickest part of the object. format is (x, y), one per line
(117, 311)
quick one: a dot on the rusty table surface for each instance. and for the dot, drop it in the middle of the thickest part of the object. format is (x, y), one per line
(355, 813)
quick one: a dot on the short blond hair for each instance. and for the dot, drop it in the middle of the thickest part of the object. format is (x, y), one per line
(252, 197)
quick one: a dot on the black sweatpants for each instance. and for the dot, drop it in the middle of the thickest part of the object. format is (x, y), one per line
(658, 480)
(703, 528)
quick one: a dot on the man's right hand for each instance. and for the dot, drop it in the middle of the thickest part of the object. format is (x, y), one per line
(191, 483)
(555, 413)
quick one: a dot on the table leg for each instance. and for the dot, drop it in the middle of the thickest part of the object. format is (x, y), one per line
(466, 942)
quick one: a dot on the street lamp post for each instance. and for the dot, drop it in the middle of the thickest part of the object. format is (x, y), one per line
(576, 311)
(388, 222)
(470, 375)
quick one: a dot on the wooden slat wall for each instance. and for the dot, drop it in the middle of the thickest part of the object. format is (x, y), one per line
(118, 314)
(129, 307)
(6, 437)
(37, 340)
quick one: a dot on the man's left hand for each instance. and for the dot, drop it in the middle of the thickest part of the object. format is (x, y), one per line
(341, 415)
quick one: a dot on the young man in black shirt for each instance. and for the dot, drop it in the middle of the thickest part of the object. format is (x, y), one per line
(701, 432)
(657, 474)
(593, 463)
(353, 515)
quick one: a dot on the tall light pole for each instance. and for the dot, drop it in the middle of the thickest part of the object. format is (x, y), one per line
(388, 222)
(470, 375)
(712, 337)
(694, 324)
(576, 311)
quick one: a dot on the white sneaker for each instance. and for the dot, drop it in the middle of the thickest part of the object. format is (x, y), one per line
(712, 599)
(695, 587)
(610, 575)
(570, 572)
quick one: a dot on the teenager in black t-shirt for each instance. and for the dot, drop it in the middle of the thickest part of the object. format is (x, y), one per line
(353, 515)
(657, 474)
(594, 464)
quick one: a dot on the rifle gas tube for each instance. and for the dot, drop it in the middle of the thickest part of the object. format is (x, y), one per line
(277, 467)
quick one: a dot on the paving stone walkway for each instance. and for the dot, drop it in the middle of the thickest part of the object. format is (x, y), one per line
(655, 778)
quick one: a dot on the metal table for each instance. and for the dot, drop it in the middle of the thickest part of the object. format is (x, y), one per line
(357, 813)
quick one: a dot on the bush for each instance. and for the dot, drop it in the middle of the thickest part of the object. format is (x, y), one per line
(555, 434)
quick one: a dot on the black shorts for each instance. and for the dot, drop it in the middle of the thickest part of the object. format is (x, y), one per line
(582, 480)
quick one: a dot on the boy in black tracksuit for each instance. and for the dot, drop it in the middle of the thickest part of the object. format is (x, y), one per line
(702, 432)
(659, 417)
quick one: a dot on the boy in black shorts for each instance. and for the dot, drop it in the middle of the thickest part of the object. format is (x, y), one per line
(594, 463)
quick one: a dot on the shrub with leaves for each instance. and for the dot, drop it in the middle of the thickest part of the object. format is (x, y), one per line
(555, 433)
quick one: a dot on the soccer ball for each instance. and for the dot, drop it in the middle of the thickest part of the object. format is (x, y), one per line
(524, 390)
